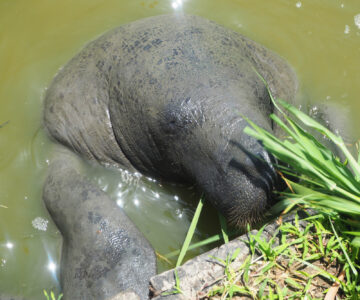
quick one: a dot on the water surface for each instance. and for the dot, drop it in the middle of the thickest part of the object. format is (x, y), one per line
(320, 39)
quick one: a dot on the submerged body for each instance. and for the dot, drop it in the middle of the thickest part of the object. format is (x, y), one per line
(164, 96)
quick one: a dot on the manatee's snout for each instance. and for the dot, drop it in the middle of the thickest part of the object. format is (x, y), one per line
(241, 188)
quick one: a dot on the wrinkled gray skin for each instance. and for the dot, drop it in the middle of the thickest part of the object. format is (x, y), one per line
(164, 96)
(103, 253)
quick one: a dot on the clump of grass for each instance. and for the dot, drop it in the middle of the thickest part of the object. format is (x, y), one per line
(177, 288)
(325, 182)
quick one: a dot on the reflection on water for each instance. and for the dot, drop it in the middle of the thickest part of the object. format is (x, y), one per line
(321, 40)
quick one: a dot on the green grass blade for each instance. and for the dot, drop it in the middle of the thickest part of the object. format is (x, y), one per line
(223, 226)
(343, 249)
(202, 243)
(268, 89)
(205, 242)
(190, 232)
(356, 242)
(46, 295)
(355, 233)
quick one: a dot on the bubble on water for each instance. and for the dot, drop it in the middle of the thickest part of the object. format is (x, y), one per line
(40, 223)
(2, 262)
(157, 196)
(179, 213)
(357, 20)
(347, 29)
(176, 198)
(136, 202)
(298, 4)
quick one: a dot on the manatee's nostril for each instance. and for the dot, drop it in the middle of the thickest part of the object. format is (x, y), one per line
(269, 159)
(268, 171)
(265, 156)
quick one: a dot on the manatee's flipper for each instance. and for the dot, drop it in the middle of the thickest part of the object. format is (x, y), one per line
(103, 253)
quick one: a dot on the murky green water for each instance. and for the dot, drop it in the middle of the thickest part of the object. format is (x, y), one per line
(320, 39)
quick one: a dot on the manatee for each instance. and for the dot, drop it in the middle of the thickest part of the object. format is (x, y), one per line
(165, 96)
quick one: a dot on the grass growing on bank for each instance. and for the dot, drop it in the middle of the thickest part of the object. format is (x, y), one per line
(303, 263)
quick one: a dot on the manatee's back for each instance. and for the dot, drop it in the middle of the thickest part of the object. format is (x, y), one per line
(181, 83)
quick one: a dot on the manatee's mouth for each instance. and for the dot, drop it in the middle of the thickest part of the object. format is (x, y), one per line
(249, 183)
